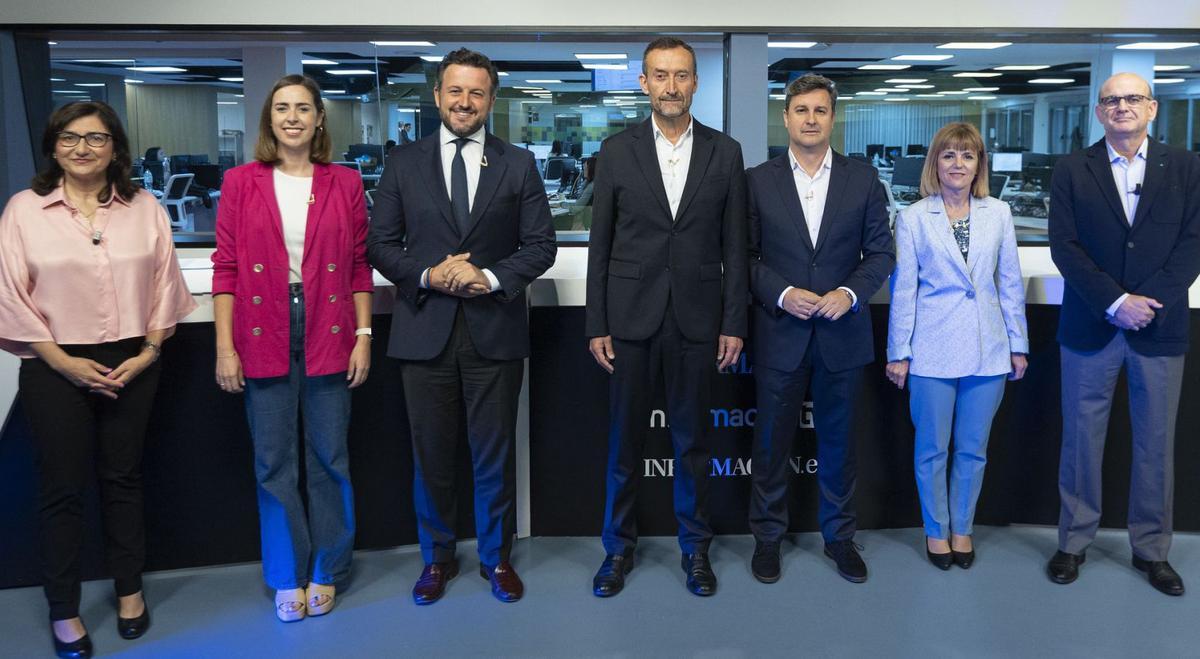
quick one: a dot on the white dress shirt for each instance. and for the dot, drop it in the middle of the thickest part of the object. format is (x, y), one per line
(674, 160)
(472, 154)
(1129, 176)
(813, 192)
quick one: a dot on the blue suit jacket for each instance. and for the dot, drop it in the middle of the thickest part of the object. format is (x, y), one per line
(413, 228)
(854, 249)
(1101, 256)
(955, 318)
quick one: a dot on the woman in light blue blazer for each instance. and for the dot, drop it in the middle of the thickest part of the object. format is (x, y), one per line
(957, 329)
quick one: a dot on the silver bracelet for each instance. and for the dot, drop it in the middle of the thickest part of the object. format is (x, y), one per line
(153, 346)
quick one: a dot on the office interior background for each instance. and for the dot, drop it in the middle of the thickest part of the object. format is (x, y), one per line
(190, 101)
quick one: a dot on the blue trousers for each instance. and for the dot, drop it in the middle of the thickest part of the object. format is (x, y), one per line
(298, 544)
(963, 407)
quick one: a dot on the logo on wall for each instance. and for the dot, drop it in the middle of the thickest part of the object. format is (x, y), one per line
(724, 467)
(734, 417)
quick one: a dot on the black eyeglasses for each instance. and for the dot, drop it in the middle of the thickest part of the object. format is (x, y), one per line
(94, 140)
(1132, 100)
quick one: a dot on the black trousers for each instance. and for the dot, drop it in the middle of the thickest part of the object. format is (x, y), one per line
(780, 401)
(75, 434)
(436, 391)
(685, 368)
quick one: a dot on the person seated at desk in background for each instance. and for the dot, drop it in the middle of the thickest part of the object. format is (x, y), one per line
(292, 312)
(90, 287)
(956, 330)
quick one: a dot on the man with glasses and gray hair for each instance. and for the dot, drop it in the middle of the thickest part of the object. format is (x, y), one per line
(1125, 234)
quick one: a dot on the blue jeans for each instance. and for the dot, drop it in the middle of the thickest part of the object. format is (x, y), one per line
(300, 545)
(966, 407)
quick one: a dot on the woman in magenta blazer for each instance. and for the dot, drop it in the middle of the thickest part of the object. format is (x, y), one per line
(292, 306)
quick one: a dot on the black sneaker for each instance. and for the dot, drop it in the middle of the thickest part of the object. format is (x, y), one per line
(765, 562)
(849, 564)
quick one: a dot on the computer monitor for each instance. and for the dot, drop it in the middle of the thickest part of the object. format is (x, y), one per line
(575, 149)
(874, 150)
(181, 164)
(907, 171)
(1006, 162)
(916, 150)
(1038, 176)
(1035, 160)
(893, 153)
(996, 184)
(208, 176)
(356, 151)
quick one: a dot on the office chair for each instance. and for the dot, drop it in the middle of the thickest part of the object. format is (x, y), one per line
(892, 207)
(554, 169)
(175, 200)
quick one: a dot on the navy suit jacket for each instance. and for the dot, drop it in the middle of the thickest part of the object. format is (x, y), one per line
(413, 228)
(854, 249)
(640, 261)
(1102, 257)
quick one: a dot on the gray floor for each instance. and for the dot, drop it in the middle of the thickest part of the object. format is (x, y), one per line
(1002, 607)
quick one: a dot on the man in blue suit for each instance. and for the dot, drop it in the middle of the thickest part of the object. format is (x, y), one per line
(820, 247)
(461, 225)
(1125, 234)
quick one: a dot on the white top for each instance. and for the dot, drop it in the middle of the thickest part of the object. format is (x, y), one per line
(1128, 175)
(812, 191)
(673, 161)
(292, 193)
(472, 153)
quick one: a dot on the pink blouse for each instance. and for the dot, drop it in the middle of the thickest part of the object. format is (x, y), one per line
(56, 285)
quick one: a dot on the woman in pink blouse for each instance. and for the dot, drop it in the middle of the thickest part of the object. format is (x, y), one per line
(292, 306)
(89, 290)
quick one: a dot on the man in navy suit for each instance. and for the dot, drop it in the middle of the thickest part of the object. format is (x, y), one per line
(666, 299)
(1125, 234)
(820, 247)
(461, 225)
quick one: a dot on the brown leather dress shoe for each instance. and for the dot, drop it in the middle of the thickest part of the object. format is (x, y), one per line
(506, 585)
(432, 584)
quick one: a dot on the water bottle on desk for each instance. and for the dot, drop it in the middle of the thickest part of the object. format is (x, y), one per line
(147, 179)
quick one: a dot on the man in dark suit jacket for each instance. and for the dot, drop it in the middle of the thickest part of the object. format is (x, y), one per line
(461, 225)
(820, 247)
(666, 298)
(1125, 234)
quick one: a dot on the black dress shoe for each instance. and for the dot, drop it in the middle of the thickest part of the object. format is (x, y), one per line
(1063, 567)
(701, 580)
(432, 584)
(131, 628)
(964, 559)
(77, 649)
(849, 564)
(1162, 576)
(765, 562)
(506, 585)
(610, 578)
(940, 561)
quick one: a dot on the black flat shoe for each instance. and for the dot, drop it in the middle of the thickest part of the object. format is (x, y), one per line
(964, 559)
(849, 563)
(131, 628)
(701, 580)
(77, 649)
(764, 565)
(1162, 576)
(940, 561)
(1063, 568)
(610, 578)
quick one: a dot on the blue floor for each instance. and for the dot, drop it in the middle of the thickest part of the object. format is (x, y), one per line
(1003, 607)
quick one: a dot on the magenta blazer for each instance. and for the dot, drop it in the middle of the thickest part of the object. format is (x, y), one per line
(251, 263)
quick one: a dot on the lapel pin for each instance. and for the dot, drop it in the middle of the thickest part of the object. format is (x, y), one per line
(483, 161)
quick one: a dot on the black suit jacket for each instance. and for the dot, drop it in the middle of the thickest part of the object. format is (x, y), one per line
(1102, 257)
(412, 228)
(640, 261)
(854, 249)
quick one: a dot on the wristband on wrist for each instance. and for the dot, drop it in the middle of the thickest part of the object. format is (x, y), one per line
(153, 346)
(364, 331)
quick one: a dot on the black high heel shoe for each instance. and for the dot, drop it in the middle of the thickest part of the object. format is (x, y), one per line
(964, 559)
(131, 628)
(80, 648)
(940, 561)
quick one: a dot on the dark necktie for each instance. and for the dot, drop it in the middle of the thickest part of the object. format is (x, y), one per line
(459, 196)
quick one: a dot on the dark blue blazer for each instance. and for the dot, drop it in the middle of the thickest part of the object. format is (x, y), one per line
(412, 228)
(854, 249)
(640, 262)
(1102, 257)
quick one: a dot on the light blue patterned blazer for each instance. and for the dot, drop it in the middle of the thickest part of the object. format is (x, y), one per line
(956, 318)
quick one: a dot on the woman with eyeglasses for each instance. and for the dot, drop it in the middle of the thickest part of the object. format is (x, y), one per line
(292, 307)
(89, 289)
